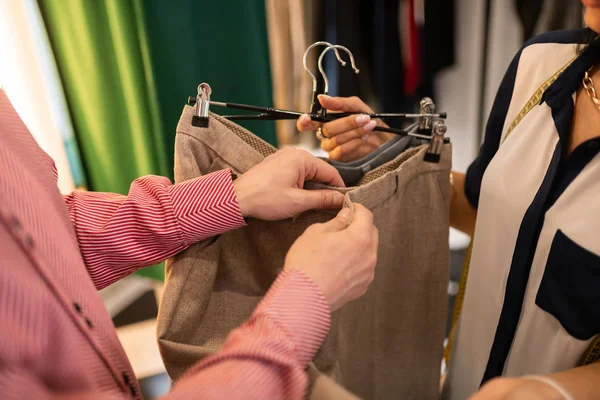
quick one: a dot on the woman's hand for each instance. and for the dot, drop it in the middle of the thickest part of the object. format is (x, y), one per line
(349, 138)
(516, 389)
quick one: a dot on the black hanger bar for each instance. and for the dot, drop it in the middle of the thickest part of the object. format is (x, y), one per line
(260, 117)
(328, 117)
(288, 114)
(269, 113)
(336, 115)
(265, 110)
(318, 118)
(272, 114)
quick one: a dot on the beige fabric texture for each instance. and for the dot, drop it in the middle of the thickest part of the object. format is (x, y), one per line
(388, 343)
(322, 387)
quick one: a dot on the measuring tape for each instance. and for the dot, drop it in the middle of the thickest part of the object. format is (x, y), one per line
(592, 354)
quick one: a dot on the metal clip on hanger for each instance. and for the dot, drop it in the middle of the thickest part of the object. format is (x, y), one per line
(426, 106)
(315, 105)
(437, 142)
(200, 118)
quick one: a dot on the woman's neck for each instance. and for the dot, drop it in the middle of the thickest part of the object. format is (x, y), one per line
(592, 18)
(586, 119)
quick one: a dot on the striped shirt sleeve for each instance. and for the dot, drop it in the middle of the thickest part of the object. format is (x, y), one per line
(120, 234)
(266, 357)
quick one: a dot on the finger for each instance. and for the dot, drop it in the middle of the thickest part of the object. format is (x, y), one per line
(350, 123)
(357, 154)
(362, 220)
(319, 171)
(345, 104)
(342, 152)
(340, 137)
(305, 124)
(375, 238)
(321, 199)
(351, 153)
(339, 223)
(331, 144)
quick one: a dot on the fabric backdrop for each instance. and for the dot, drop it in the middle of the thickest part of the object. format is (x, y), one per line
(102, 55)
(127, 68)
(223, 43)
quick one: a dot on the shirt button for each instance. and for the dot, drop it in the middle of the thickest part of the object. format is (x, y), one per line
(28, 241)
(89, 323)
(15, 223)
(77, 307)
(128, 383)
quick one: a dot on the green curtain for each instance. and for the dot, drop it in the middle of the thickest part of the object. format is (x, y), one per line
(127, 67)
(101, 50)
(223, 43)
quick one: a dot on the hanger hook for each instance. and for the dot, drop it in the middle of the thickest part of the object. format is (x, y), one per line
(335, 47)
(305, 60)
(204, 89)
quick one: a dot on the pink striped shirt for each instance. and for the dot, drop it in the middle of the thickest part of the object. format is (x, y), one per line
(56, 338)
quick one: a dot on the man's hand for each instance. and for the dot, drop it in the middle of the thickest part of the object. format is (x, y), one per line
(273, 189)
(516, 389)
(338, 256)
(349, 138)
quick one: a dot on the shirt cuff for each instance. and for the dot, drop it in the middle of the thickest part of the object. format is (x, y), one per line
(206, 206)
(297, 305)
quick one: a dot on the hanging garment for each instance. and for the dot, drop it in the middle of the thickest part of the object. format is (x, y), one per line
(560, 14)
(539, 16)
(409, 38)
(349, 23)
(387, 344)
(398, 61)
(439, 32)
(291, 28)
(529, 12)
(388, 67)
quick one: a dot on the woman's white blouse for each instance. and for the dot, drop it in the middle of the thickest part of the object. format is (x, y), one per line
(532, 300)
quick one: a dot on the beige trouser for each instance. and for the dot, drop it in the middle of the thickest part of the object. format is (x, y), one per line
(387, 344)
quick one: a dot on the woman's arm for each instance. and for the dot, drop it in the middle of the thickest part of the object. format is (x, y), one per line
(462, 213)
(580, 383)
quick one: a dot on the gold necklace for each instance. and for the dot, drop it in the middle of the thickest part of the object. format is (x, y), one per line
(588, 85)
